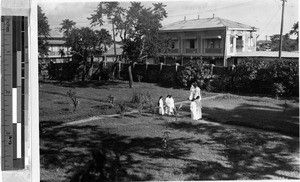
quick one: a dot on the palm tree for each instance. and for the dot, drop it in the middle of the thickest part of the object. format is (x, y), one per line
(67, 25)
(61, 52)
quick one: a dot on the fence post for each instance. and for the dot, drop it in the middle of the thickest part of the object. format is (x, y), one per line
(212, 69)
(160, 66)
(147, 66)
(119, 69)
(130, 77)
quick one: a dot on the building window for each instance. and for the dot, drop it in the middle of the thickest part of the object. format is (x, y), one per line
(172, 45)
(231, 41)
(192, 44)
(213, 43)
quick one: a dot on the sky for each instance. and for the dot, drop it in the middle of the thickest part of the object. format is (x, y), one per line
(262, 14)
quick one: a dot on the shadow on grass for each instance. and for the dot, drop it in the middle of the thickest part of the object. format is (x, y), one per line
(73, 148)
(260, 117)
(247, 155)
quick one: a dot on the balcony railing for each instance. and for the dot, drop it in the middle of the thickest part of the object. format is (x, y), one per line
(191, 50)
(213, 50)
(174, 51)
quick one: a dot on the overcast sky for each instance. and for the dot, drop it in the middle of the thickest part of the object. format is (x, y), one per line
(263, 14)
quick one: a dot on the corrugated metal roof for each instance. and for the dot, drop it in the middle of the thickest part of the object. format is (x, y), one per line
(205, 23)
(55, 34)
(272, 54)
(56, 42)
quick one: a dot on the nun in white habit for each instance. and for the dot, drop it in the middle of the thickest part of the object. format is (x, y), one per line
(161, 109)
(193, 108)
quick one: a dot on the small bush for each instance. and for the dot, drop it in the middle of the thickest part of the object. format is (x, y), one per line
(278, 89)
(166, 78)
(72, 95)
(121, 108)
(141, 100)
(106, 74)
(194, 72)
(111, 100)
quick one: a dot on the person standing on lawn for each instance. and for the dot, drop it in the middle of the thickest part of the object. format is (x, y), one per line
(193, 108)
(197, 91)
(198, 107)
(167, 110)
(161, 109)
(172, 105)
(192, 92)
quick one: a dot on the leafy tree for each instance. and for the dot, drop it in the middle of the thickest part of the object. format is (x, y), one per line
(43, 32)
(295, 30)
(85, 43)
(287, 43)
(194, 72)
(66, 26)
(137, 27)
(61, 52)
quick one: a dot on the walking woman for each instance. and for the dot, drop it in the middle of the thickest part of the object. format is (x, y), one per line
(161, 109)
(193, 108)
(197, 92)
(199, 107)
(192, 92)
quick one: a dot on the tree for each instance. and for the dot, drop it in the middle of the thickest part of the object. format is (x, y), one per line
(43, 32)
(61, 52)
(66, 26)
(85, 43)
(137, 27)
(295, 30)
(287, 43)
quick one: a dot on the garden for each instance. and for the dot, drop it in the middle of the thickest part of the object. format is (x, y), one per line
(106, 131)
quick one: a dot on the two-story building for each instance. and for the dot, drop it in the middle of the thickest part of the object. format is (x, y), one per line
(212, 40)
(56, 43)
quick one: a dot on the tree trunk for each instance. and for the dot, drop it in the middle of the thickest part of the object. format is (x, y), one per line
(84, 69)
(130, 77)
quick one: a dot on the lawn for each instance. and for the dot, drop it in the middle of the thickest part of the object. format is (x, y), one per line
(236, 140)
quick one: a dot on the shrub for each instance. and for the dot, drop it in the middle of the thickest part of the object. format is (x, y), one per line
(141, 100)
(72, 95)
(286, 73)
(152, 73)
(244, 76)
(111, 100)
(106, 74)
(217, 84)
(167, 75)
(121, 108)
(278, 89)
(194, 72)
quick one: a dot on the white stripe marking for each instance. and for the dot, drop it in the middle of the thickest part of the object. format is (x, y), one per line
(19, 135)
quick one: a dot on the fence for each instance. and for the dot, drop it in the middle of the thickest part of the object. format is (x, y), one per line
(152, 73)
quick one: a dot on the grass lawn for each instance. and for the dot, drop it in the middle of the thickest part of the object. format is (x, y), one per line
(217, 150)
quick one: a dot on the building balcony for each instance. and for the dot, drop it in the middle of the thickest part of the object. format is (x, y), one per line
(191, 50)
(174, 51)
(213, 50)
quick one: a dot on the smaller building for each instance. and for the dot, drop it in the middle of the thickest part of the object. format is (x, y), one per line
(267, 56)
(56, 44)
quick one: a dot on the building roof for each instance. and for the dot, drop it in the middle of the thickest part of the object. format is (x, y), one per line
(56, 42)
(215, 22)
(271, 54)
(55, 34)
